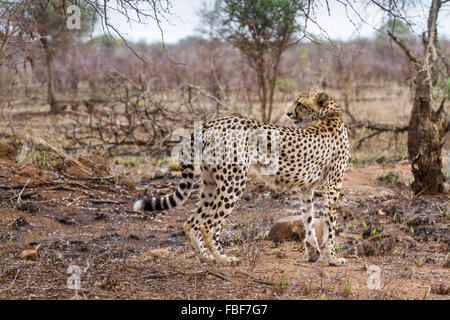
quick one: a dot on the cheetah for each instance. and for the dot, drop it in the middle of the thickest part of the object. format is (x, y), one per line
(310, 154)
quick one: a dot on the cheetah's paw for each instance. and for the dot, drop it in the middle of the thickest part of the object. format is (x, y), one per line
(209, 259)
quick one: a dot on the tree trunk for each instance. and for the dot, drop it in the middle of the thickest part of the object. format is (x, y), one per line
(426, 127)
(271, 92)
(262, 94)
(425, 134)
(54, 106)
(272, 85)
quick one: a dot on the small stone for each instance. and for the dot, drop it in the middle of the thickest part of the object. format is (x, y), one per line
(292, 228)
(447, 264)
(100, 216)
(160, 173)
(133, 237)
(64, 220)
(27, 206)
(440, 288)
(281, 254)
(29, 255)
(109, 284)
(18, 223)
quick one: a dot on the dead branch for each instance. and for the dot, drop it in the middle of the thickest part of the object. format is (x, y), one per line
(88, 178)
(133, 119)
(379, 127)
(441, 106)
(200, 92)
(405, 49)
(62, 154)
(444, 60)
(347, 107)
(268, 283)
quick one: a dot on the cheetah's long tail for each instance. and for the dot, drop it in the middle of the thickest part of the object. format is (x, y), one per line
(171, 201)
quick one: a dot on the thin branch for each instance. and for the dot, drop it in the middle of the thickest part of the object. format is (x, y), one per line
(205, 93)
(405, 49)
(376, 126)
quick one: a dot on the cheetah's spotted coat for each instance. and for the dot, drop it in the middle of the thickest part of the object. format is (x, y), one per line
(312, 154)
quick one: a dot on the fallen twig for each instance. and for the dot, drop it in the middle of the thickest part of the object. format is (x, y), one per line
(12, 283)
(20, 194)
(64, 155)
(255, 279)
(88, 178)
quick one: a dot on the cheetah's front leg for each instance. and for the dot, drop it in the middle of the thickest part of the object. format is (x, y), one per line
(307, 210)
(331, 196)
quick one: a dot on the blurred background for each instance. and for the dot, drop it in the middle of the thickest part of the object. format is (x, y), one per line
(184, 59)
(92, 90)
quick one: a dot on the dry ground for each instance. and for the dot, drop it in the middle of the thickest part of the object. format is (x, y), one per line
(72, 218)
(49, 203)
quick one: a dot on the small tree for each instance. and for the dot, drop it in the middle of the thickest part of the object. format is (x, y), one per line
(46, 20)
(261, 30)
(23, 21)
(399, 28)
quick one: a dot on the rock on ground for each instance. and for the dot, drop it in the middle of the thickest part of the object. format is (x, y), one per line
(292, 228)
(30, 255)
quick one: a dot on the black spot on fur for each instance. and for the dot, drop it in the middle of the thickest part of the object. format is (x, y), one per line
(178, 195)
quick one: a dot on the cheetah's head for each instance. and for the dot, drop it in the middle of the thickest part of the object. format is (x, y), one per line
(308, 108)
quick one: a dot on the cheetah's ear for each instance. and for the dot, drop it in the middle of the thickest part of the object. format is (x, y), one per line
(323, 99)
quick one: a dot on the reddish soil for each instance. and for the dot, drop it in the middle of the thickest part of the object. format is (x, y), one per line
(78, 212)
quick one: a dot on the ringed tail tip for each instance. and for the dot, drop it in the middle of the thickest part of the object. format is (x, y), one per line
(138, 205)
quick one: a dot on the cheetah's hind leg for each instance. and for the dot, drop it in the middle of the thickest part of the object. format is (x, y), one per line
(307, 210)
(192, 227)
(331, 195)
(221, 208)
